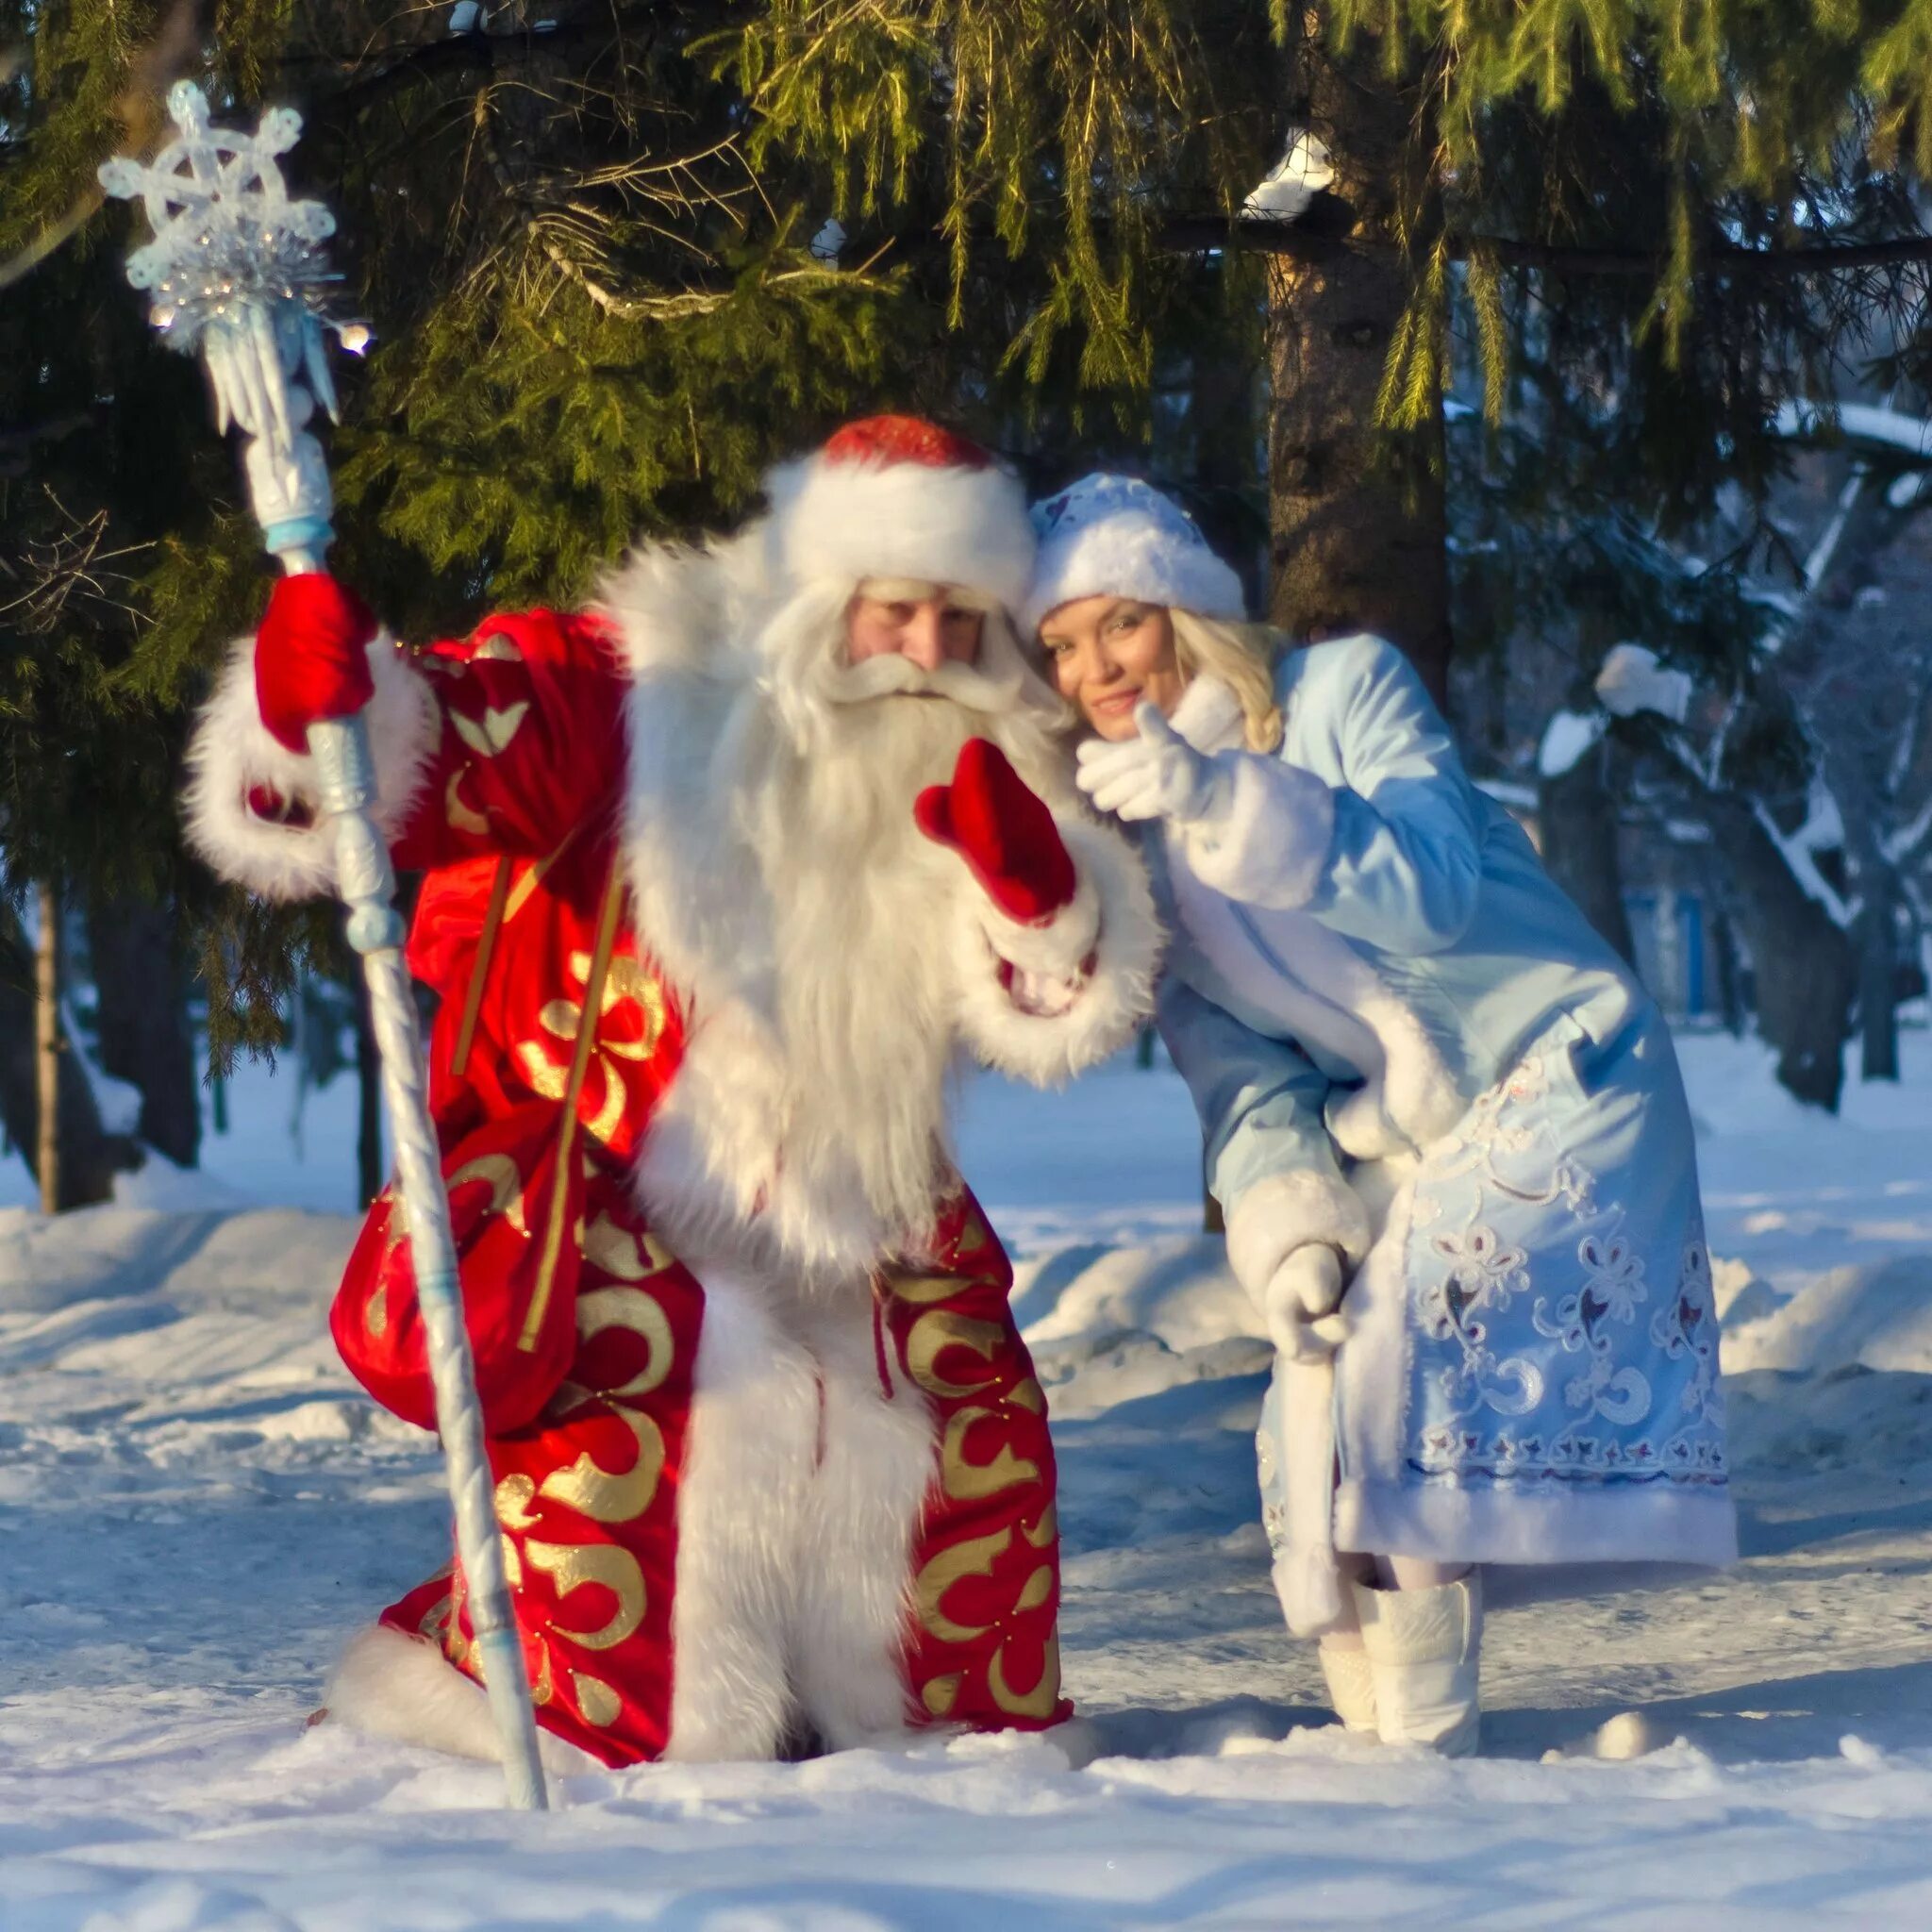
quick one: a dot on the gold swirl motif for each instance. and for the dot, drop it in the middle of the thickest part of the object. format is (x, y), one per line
(543, 1078)
(974, 1557)
(1029, 1395)
(643, 1314)
(505, 1186)
(561, 1018)
(375, 1312)
(610, 1117)
(570, 1395)
(942, 1693)
(489, 736)
(1035, 1591)
(459, 815)
(514, 1495)
(975, 1237)
(924, 1288)
(1043, 1532)
(619, 1252)
(629, 981)
(606, 1496)
(435, 1622)
(544, 1688)
(939, 1329)
(572, 1565)
(497, 649)
(1039, 1701)
(969, 1481)
(512, 1564)
(599, 1704)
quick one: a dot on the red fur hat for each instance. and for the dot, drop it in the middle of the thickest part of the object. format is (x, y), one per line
(894, 496)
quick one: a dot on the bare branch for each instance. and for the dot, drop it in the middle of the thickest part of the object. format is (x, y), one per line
(53, 573)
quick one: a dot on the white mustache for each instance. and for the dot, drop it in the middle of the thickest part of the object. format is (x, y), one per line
(891, 675)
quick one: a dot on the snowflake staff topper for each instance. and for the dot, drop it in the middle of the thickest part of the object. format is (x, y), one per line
(238, 272)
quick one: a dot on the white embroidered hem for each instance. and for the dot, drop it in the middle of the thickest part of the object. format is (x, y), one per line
(1656, 1522)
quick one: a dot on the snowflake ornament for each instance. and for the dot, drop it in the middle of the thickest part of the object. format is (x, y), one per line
(238, 273)
(237, 269)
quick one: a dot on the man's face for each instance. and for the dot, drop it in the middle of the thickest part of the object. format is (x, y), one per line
(925, 624)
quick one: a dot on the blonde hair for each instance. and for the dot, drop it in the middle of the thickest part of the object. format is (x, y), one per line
(1241, 655)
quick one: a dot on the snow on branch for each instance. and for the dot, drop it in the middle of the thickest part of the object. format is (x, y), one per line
(1634, 679)
(1862, 425)
(1566, 737)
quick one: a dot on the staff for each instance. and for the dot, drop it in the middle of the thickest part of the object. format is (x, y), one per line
(238, 273)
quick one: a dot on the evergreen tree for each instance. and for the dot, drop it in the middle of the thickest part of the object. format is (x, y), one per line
(594, 318)
(1633, 184)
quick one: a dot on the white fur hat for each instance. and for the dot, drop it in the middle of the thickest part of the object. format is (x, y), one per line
(894, 496)
(1120, 537)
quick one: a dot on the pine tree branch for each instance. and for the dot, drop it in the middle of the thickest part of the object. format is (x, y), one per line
(478, 50)
(1325, 240)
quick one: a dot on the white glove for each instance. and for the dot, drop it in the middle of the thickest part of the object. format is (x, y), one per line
(1302, 1303)
(1156, 776)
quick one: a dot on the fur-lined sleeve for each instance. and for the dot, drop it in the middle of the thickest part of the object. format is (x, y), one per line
(250, 801)
(1270, 1161)
(507, 741)
(1045, 1002)
(1392, 857)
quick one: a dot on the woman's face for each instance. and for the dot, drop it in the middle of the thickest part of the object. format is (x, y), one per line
(1109, 653)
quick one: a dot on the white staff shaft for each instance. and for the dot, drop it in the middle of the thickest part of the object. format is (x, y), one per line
(366, 885)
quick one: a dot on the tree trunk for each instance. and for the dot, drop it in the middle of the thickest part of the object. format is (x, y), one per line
(144, 1036)
(47, 1050)
(1730, 989)
(1878, 985)
(85, 1158)
(1805, 970)
(1360, 529)
(1578, 821)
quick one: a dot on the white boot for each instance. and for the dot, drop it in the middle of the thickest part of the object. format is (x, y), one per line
(1351, 1684)
(1424, 1648)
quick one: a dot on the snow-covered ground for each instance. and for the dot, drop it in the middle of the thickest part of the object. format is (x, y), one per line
(195, 1506)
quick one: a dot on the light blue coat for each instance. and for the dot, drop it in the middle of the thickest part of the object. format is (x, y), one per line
(1403, 1040)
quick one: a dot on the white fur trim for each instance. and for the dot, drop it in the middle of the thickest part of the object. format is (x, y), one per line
(748, 1453)
(676, 608)
(1267, 1222)
(853, 1566)
(391, 1685)
(1045, 1048)
(231, 751)
(1269, 846)
(797, 1508)
(708, 1171)
(1658, 1521)
(1240, 905)
(1116, 536)
(844, 522)
(1054, 947)
(1308, 1579)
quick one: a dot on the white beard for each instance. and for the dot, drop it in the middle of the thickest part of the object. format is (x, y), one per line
(861, 939)
(781, 885)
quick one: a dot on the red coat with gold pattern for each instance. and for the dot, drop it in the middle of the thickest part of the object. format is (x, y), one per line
(590, 1337)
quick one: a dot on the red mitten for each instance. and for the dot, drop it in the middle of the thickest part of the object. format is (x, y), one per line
(1004, 832)
(312, 657)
